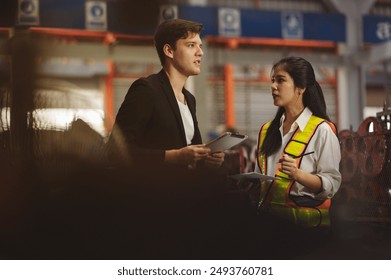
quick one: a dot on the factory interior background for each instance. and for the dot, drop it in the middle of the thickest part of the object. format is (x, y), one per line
(66, 65)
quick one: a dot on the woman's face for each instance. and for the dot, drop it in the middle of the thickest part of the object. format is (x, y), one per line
(284, 91)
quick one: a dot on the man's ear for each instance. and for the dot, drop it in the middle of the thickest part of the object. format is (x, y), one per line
(168, 51)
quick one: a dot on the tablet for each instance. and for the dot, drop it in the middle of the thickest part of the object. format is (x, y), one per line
(253, 175)
(226, 141)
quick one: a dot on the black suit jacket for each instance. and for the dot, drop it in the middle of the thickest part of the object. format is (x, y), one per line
(150, 120)
(171, 197)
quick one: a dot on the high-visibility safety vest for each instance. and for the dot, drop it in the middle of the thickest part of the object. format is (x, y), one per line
(275, 196)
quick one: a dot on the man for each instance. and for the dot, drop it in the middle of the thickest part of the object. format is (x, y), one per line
(158, 116)
(175, 179)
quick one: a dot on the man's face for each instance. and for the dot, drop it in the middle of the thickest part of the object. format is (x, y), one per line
(186, 58)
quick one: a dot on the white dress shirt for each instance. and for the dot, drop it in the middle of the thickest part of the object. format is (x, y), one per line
(324, 162)
(187, 120)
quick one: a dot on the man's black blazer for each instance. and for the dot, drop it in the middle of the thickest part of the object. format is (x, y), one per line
(150, 119)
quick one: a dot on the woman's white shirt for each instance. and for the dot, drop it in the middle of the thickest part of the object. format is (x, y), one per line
(324, 162)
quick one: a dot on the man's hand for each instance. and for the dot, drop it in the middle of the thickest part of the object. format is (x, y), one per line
(188, 155)
(215, 160)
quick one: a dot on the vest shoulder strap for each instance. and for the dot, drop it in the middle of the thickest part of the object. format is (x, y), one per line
(300, 139)
(261, 138)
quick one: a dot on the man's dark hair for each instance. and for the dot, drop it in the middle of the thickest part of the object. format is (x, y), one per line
(170, 31)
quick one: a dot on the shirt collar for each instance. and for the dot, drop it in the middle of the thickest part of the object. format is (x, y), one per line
(302, 120)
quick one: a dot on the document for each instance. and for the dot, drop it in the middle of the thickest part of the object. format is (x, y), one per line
(226, 141)
(253, 175)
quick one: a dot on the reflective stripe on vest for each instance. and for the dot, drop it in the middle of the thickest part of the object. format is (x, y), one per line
(276, 197)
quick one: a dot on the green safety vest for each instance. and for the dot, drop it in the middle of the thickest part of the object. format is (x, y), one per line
(275, 196)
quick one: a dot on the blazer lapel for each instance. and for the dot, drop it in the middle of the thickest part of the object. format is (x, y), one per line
(169, 93)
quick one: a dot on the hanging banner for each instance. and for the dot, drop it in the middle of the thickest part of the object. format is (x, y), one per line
(96, 15)
(28, 12)
(292, 25)
(229, 22)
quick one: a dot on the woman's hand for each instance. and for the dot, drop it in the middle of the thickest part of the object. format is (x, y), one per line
(288, 166)
(311, 181)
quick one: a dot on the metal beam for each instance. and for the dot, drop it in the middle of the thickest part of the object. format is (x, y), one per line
(376, 54)
(351, 88)
(361, 6)
(87, 50)
(330, 5)
(248, 57)
(147, 54)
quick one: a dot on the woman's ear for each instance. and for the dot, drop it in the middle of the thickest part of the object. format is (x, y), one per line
(168, 51)
(301, 90)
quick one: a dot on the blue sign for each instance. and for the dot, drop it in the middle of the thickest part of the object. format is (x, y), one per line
(96, 16)
(292, 25)
(168, 12)
(269, 24)
(28, 12)
(376, 29)
(96, 11)
(229, 22)
(27, 7)
(255, 23)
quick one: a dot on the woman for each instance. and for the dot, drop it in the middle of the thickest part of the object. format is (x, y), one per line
(300, 147)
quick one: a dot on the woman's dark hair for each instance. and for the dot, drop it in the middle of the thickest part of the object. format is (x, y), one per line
(303, 76)
(170, 31)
